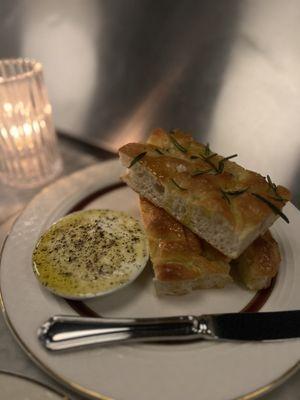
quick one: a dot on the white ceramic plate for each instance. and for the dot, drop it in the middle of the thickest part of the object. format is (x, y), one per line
(210, 371)
(14, 386)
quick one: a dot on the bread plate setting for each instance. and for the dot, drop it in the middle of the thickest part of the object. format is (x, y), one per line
(184, 287)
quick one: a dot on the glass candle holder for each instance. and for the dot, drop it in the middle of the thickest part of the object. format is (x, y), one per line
(29, 155)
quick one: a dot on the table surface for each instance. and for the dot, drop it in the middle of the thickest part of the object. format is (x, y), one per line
(225, 70)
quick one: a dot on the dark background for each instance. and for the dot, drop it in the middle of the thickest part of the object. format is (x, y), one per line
(226, 70)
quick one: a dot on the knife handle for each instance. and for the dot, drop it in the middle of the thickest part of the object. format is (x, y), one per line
(65, 332)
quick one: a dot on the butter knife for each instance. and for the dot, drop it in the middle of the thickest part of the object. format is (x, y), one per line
(66, 332)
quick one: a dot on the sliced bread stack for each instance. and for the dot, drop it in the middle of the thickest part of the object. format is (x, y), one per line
(201, 210)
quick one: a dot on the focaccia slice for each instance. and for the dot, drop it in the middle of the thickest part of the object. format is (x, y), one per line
(181, 260)
(258, 264)
(220, 201)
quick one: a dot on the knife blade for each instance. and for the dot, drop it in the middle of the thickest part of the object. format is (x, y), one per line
(66, 332)
(255, 326)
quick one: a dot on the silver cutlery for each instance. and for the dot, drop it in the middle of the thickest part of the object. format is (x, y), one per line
(66, 332)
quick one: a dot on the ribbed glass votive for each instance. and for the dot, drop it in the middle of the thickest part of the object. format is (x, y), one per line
(28, 149)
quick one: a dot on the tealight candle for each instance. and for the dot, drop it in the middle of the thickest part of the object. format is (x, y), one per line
(28, 149)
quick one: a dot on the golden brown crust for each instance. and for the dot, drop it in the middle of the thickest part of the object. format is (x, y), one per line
(205, 190)
(177, 254)
(259, 263)
(174, 272)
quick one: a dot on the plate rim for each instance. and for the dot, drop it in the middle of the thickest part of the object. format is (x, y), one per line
(79, 389)
(64, 396)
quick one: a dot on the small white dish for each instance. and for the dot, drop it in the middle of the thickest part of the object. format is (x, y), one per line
(90, 253)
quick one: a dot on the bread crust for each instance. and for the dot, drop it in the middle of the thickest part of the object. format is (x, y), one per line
(228, 222)
(181, 260)
(258, 264)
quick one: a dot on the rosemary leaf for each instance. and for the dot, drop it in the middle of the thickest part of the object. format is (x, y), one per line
(225, 196)
(178, 145)
(236, 192)
(137, 158)
(273, 187)
(229, 157)
(271, 184)
(275, 209)
(207, 150)
(281, 199)
(221, 164)
(227, 193)
(210, 163)
(159, 151)
(176, 184)
(210, 156)
(200, 172)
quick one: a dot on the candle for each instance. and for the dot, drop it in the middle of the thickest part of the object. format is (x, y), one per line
(28, 149)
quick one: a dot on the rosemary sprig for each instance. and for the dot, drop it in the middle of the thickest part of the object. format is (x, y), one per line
(229, 157)
(200, 172)
(273, 187)
(236, 192)
(159, 151)
(178, 145)
(275, 209)
(281, 199)
(221, 164)
(271, 184)
(137, 158)
(214, 167)
(220, 168)
(207, 150)
(210, 156)
(176, 184)
(227, 193)
(225, 196)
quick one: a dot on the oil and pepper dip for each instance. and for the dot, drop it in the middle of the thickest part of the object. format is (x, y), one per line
(90, 253)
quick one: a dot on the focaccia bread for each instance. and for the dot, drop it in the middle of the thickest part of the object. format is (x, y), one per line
(181, 260)
(258, 264)
(217, 199)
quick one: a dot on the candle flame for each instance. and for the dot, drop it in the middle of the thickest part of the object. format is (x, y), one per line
(14, 131)
(4, 133)
(27, 129)
(8, 107)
